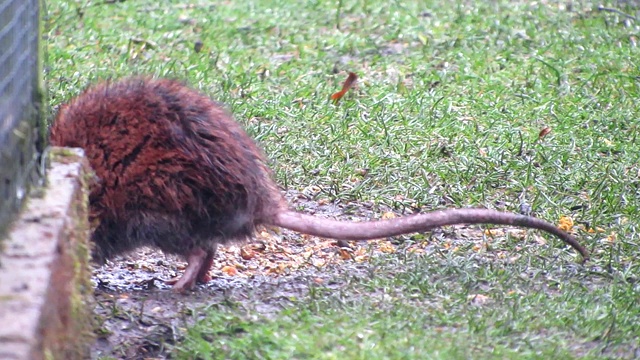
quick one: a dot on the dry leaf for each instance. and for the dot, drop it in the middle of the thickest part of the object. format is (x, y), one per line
(247, 254)
(597, 229)
(388, 215)
(544, 132)
(230, 270)
(261, 247)
(344, 254)
(387, 247)
(478, 299)
(362, 172)
(539, 240)
(566, 223)
(351, 79)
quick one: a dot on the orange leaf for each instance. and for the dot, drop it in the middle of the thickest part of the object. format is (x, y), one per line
(351, 79)
(344, 254)
(230, 270)
(565, 223)
(388, 215)
(247, 254)
(544, 132)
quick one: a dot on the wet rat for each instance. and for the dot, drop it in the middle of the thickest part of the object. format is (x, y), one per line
(176, 172)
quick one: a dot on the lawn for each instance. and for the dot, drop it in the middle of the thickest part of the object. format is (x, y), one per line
(511, 105)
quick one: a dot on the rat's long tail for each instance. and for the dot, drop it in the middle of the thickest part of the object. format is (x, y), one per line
(368, 230)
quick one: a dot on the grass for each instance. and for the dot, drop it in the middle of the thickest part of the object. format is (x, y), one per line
(448, 110)
(422, 308)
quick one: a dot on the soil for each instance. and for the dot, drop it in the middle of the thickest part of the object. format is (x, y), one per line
(144, 320)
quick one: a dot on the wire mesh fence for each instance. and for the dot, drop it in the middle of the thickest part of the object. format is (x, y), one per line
(21, 102)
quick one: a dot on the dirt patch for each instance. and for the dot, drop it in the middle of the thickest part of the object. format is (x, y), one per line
(146, 323)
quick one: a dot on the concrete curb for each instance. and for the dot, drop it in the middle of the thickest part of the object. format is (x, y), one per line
(44, 274)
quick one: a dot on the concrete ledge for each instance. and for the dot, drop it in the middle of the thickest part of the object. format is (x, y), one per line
(44, 273)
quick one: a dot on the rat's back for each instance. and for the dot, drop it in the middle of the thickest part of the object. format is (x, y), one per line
(171, 164)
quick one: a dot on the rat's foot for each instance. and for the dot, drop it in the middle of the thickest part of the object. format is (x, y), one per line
(203, 274)
(196, 259)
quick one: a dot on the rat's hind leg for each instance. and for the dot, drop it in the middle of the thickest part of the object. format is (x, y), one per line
(196, 260)
(203, 274)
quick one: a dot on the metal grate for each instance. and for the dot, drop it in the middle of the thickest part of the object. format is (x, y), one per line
(22, 130)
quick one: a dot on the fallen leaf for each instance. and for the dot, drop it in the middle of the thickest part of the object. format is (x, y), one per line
(247, 254)
(362, 172)
(544, 132)
(261, 247)
(230, 270)
(345, 254)
(387, 247)
(388, 215)
(351, 79)
(478, 299)
(566, 223)
(540, 240)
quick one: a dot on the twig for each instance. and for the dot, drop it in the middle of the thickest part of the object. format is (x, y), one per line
(602, 8)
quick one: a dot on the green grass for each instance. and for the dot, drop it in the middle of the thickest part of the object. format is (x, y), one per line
(424, 308)
(449, 104)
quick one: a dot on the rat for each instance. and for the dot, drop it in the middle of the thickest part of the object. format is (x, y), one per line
(176, 172)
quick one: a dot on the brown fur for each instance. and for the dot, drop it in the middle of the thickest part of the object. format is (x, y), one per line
(177, 172)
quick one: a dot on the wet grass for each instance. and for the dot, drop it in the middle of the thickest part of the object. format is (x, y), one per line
(448, 110)
(433, 308)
